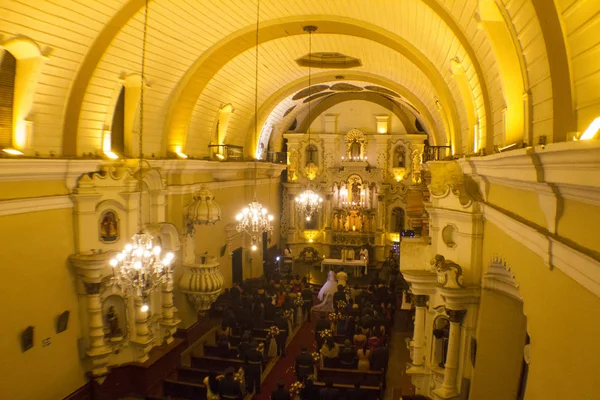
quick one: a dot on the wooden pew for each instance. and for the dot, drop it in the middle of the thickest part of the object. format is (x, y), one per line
(215, 363)
(371, 392)
(194, 375)
(212, 350)
(349, 376)
(187, 390)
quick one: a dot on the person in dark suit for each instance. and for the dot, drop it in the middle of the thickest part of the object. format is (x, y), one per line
(283, 334)
(304, 364)
(280, 393)
(379, 358)
(310, 391)
(347, 355)
(307, 296)
(340, 295)
(253, 369)
(357, 393)
(322, 324)
(229, 388)
(329, 392)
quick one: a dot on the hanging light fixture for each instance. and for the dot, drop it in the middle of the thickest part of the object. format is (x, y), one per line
(142, 265)
(254, 219)
(309, 202)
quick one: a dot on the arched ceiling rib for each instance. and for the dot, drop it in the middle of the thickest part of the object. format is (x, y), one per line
(235, 82)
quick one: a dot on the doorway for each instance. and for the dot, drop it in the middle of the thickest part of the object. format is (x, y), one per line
(237, 274)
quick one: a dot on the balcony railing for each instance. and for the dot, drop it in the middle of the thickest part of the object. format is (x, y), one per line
(277, 157)
(226, 152)
(437, 153)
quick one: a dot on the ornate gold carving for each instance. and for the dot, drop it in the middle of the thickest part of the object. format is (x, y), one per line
(449, 272)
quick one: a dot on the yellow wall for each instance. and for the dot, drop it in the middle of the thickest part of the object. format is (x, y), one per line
(23, 189)
(38, 286)
(579, 223)
(521, 202)
(563, 321)
(500, 340)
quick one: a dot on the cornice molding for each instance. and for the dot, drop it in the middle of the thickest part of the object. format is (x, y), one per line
(196, 187)
(580, 267)
(22, 206)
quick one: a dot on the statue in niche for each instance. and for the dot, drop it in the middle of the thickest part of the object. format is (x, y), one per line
(112, 320)
(399, 157)
(355, 149)
(356, 191)
(109, 227)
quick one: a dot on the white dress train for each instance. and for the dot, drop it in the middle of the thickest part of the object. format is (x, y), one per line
(326, 305)
(329, 287)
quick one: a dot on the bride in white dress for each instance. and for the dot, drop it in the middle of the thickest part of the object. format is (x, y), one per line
(326, 294)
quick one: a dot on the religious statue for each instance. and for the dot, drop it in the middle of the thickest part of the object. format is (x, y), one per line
(356, 191)
(355, 149)
(109, 228)
(112, 320)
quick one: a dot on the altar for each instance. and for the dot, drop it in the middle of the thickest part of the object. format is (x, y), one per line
(353, 266)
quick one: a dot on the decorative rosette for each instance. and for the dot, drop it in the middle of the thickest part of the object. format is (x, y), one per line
(296, 388)
(273, 331)
(341, 304)
(299, 301)
(333, 317)
(316, 356)
(326, 334)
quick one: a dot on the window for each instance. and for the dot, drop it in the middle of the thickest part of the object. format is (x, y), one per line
(8, 70)
(118, 125)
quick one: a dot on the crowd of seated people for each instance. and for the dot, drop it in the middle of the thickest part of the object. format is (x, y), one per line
(256, 305)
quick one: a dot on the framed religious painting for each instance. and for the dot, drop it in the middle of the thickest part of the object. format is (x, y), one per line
(109, 227)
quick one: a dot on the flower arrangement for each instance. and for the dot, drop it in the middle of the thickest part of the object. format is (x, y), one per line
(333, 317)
(348, 291)
(239, 375)
(341, 304)
(316, 356)
(296, 388)
(326, 334)
(299, 301)
(311, 377)
(273, 331)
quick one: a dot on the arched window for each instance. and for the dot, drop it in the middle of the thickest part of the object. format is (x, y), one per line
(8, 70)
(117, 131)
(439, 347)
(397, 222)
(311, 154)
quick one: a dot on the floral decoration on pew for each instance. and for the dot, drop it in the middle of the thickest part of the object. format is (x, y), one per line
(326, 334)
(316, 356)
(239, 375)
(296, 388)
(348, 291)
(311, 377)
(273, 331)
(333, 317)
(341, 304)
(299, 301)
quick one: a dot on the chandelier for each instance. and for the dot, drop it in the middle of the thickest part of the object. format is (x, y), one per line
(308, 202)
(139, 267)
(254, 219)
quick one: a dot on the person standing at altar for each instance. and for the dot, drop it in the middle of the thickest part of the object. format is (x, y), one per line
(342, 278)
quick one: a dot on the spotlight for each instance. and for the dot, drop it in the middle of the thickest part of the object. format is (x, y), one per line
(277, 258)
(253, 247)
(144, 308)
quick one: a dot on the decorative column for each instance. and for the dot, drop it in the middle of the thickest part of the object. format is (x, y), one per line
(142, 341)
(90, 268)
(169, 322)
(449, 388)
(419, 331)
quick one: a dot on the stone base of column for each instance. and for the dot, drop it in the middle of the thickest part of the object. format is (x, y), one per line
(99, 360)
(143, 347)
(415, 369)
(169, 329)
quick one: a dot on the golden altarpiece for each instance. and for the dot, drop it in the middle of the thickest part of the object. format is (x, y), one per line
(372, 191)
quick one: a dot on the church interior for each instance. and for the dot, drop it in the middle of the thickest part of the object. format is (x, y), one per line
(199, 174)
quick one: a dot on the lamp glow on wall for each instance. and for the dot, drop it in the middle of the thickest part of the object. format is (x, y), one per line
(107, 145)
(382, 123)
(592, 130)
(179, 152)
(311, 235)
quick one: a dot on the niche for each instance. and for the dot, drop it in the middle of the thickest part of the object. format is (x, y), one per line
(439, 347)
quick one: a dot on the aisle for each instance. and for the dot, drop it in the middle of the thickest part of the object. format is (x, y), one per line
(398, 382)
(284, 368)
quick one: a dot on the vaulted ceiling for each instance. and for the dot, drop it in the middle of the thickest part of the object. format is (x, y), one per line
(441, 56)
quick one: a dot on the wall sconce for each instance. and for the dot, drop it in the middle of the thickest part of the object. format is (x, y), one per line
(382, 123)
(541, 141)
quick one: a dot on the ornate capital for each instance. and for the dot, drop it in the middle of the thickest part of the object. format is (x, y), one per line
(421, 300)
(456, 316)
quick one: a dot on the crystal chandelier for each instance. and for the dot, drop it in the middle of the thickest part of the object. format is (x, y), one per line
(139, 267)
(308, 202)
(254, 219)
